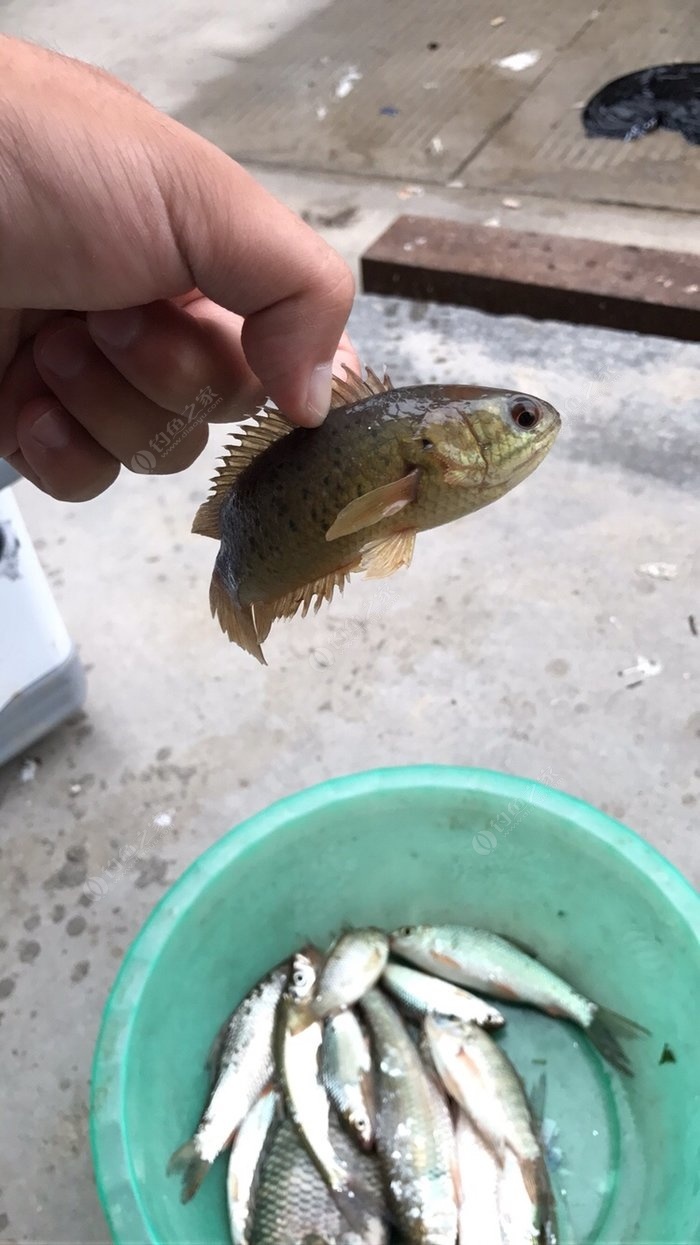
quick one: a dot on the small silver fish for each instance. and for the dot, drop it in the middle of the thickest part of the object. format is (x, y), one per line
(519, 1215)
(484, 1084)
(247, 1154)
(478, 959)
(479, 1179)
(297, 1044)
(415, 1137)
(347, 1075)
(245, 1068)
(353, 965)
(420, 994)
(293, 1205)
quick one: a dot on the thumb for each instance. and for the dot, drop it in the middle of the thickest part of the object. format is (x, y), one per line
(252, 255)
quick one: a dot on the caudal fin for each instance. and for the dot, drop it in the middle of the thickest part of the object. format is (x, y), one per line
(608, 1031)
(236, 621)
(193, 1168)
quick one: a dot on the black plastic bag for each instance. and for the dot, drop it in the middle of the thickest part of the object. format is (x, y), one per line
(665, 96)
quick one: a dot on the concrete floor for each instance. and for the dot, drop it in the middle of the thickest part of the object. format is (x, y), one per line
(501, 647)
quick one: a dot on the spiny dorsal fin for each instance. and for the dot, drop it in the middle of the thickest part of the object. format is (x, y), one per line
(251, 440)
(355, 389)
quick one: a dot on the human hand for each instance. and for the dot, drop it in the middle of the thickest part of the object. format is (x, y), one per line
(146, 280)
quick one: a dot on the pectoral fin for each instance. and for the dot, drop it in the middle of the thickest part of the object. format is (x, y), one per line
(374, 506)
(381, 558)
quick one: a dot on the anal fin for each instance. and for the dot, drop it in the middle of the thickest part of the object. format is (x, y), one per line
(302, 598)
(381, 558)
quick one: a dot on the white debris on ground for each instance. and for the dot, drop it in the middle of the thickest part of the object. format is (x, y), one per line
(347, 82)
(436, 146)
(519, 61)
(659, 570)
(509, 202)
(28, 770)
(645, 668)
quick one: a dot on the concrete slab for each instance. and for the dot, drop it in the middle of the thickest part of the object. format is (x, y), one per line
(394, 90)
(501, 647)
(543, 148)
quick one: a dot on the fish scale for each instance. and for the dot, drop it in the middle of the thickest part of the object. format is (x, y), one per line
(293, 1205)
(415, 1138)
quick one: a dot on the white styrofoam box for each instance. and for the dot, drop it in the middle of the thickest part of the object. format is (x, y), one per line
(33, 637)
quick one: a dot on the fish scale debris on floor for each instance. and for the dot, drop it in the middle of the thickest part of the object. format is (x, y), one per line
(360, 1089)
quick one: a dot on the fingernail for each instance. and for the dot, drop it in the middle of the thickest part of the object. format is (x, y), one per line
(64, 352)
(318, 395)
(52, 429)
(117, 328)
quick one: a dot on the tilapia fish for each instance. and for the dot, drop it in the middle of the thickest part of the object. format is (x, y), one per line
(245, 1062)
(293, 1206)
(481, 960)
(297, 510)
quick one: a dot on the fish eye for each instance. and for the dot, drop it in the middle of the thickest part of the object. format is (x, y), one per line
(405, 931)
(299, 977)
(525, 413)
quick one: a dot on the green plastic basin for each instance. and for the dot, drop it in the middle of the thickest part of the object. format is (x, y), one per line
(393, 847)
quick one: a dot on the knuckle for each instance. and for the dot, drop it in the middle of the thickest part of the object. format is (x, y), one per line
(335, 282)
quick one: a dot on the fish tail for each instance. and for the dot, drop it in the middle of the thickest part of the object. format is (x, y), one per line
(235, 620)
(194, 1168)
(608, 1031)
(531, 1178)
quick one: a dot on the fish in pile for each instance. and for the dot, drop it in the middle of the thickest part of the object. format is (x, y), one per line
(480, 960)
(363, 1096)
(297, 510)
